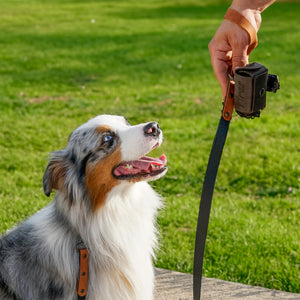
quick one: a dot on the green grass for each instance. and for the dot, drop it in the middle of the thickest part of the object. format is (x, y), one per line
(148, 60)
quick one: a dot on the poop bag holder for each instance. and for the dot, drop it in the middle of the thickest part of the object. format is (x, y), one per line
(251, 84)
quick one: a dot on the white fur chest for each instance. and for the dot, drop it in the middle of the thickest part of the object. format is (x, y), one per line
(122, 240)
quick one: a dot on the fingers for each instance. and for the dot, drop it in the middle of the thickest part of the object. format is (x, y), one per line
(219, 61)
(220, 54)
(221, 71)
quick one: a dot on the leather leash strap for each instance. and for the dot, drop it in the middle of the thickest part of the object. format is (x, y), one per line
(208, 188)
(215, 157)
(82, 283)
(235, 17)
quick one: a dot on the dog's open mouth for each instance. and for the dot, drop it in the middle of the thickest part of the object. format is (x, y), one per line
(145, 167)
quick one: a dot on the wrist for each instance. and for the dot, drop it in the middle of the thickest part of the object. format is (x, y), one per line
(252, 15)
(251, 9)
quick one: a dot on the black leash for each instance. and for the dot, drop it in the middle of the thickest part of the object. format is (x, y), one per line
(248, 94)
(205, 204)
(208, 189)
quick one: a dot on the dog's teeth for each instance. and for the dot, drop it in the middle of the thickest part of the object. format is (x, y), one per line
(128, 166)
(154, 166)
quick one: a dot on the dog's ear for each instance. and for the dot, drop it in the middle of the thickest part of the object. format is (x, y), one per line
(54, 176)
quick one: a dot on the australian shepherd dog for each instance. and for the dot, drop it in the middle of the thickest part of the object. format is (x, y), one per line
(103, 205)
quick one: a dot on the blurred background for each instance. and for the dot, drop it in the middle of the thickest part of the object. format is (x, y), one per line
(64, 62)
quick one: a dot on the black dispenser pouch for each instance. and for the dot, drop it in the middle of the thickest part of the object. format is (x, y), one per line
(251, 84)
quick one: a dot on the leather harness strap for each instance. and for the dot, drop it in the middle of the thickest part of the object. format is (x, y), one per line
(208, 189)
(82, 282)
(235, 17)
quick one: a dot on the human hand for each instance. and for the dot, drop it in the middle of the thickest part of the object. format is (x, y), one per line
(228, 49)
(236, 37)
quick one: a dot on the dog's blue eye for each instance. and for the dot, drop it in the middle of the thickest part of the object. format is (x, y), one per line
(107, 138)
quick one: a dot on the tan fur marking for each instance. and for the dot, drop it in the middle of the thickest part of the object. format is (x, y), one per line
(99, 178)
(103, 128)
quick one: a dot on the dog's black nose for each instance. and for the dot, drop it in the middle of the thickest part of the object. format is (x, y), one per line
(152, 129)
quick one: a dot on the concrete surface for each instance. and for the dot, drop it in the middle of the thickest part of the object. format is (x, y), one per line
(172, 285)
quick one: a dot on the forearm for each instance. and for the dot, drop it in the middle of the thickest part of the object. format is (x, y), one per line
(251, 9)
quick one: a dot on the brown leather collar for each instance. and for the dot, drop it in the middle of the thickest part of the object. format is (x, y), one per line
(82, 282)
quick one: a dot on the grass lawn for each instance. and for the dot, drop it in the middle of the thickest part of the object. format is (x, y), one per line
(63, 62)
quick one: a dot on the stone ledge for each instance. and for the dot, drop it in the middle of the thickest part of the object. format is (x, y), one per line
(172, 285)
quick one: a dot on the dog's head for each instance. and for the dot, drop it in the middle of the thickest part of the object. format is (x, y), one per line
(103, 153)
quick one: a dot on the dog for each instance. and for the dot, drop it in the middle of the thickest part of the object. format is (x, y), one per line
(103, 203)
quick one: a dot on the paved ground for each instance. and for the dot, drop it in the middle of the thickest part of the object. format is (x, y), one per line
(178, 286)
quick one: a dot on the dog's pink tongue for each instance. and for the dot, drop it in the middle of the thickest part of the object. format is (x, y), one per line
(143, 165)
(146, 161)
